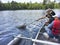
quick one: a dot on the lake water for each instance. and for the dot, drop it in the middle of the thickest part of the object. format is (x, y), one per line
(10, 19)
(21, 16)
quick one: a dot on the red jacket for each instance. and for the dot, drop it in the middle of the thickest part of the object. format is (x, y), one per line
(56, 27)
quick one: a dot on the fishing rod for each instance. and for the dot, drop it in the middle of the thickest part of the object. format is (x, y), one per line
(18, 38)
(23, 26)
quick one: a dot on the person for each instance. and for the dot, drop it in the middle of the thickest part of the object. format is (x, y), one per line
(53, 29)
(49, 14)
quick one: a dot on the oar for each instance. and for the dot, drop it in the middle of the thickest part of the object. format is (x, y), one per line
(23, 26)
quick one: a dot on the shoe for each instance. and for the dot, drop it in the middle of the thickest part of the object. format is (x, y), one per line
(46, 35)
(54, 39)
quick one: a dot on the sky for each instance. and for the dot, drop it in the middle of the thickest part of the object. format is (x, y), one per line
(4, 1)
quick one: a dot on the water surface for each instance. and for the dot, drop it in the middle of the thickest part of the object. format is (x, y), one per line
(10, 19)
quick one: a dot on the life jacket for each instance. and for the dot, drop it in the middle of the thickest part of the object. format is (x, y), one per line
(56, 27)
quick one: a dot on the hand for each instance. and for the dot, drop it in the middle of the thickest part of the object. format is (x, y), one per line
(46, 23)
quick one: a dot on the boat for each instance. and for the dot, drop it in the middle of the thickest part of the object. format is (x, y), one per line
(34, 37)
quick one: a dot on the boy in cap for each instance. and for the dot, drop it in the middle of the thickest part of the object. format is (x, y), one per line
(53, 29)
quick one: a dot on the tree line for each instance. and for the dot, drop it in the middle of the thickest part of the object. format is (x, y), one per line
(22, 6)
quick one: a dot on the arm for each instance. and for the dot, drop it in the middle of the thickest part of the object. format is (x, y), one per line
(50, 25)
(42, 18)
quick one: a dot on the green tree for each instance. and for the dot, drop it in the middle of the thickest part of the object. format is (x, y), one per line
(1, 5)
(14, 5)
(44, 2)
